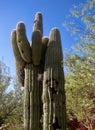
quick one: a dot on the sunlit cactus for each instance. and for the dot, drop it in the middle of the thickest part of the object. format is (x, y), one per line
(19, 62)
(38, 23)
(39, 69)
(27, 60)
(23, 44)
(36, 47)
(53, 85)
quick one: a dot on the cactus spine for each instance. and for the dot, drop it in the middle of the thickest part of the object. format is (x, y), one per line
(39, 70)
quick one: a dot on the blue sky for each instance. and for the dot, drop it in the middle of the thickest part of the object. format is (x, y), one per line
(12, 11)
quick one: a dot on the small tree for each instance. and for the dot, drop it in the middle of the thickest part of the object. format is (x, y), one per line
(80, 62)
(10, 101)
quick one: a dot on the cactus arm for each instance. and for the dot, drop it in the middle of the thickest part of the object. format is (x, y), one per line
(36, 37)
(38, 24)
(19, 62)
(43, 52)
(44, 47)
(20, 72)
(15, 48)
(23, 43)
(36, 47)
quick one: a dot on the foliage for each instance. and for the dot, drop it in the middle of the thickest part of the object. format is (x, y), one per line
(10, 101)
(80, 62)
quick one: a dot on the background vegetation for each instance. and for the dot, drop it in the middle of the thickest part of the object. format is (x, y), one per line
(11, 105)
(80, 61)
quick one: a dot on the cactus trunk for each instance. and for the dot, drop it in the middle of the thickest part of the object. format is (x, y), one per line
(31, 99)
(53, 86)
(34, 100)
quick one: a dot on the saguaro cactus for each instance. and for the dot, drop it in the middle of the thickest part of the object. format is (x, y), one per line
(53, 85)
(40, 71)
(27, 59)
